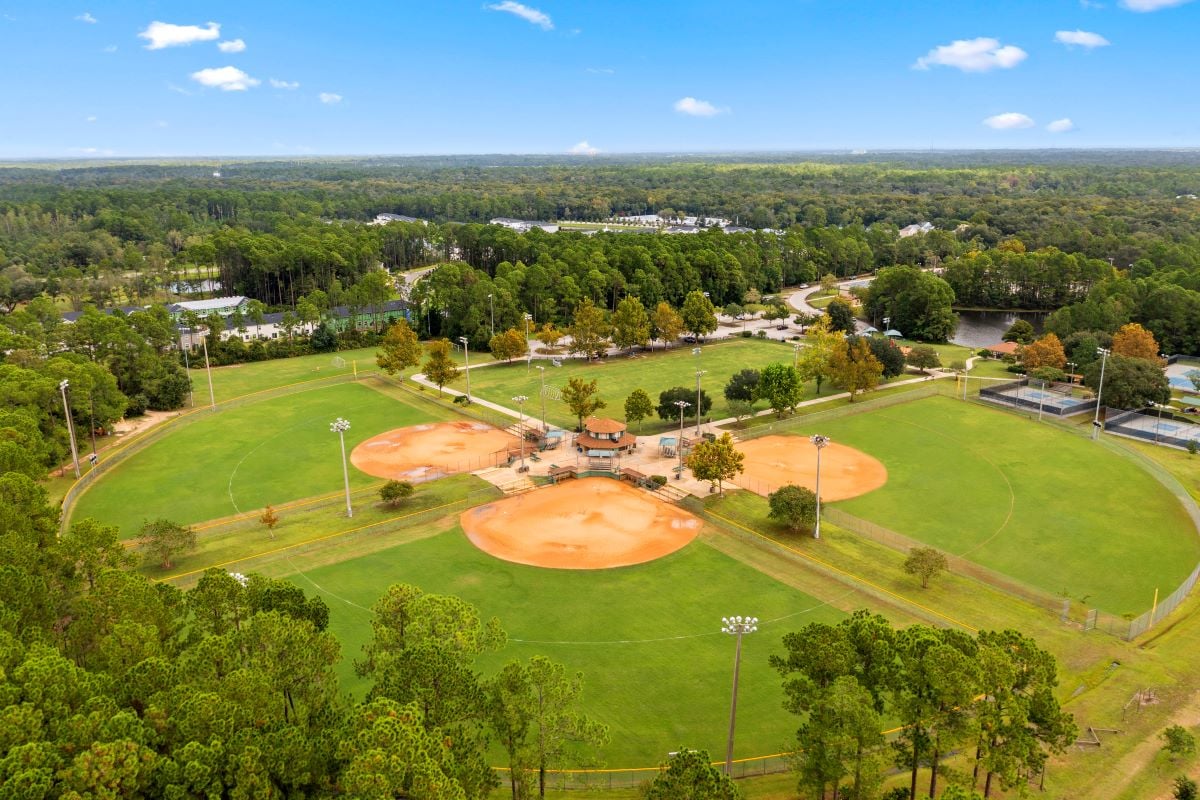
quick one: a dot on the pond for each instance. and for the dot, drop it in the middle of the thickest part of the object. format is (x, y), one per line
(981, 328)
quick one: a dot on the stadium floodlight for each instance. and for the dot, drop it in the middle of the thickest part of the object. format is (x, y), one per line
(820, 442)
(542, 370)
(735, 626)
(466, 363)
(63, 385)
(1104, 354)
(492, 306)
(528, 350)
(682, 405)
(340, 426)
(520, 401)
(699, 372)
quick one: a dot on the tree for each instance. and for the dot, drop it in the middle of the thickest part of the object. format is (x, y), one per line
(839, 739)
(163, 540)
(716, 461)
(1184, 788)
(698, 314)
(440, 367)
(667, 409)
(740, 409)
(1134, 341)
(270, 518)
(1045, 352)
(1129, 382)
(793, 506)
(690, 775)
(582, 398)
(630, 324)
(923, 357)
(743, 385)
(532, 709)
(888, 353)
(393, 493)
(779, 385)
(323, 339)
(925, 563)
(90, 548)
(839, 316)
(508, 345)
(828, 283)
(915, 301)
(549, 335)
(1021, 331)
(734, 310)
(666, 324)
(638, 406)
(399, 349)
(853, 367)
(1178, 741)
(589, 331)
(812, 362)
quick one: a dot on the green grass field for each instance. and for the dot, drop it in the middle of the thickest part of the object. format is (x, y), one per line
(240, 459)
(617, 376)
(1048, 508)
(647, 638)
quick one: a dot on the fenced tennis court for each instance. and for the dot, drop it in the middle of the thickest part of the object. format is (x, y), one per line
(1159, 429)
(1057, 399)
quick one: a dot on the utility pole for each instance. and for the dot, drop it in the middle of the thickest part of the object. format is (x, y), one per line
(63, 385)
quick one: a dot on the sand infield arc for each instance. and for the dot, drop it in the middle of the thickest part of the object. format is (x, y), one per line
(775, 461)
(589, 523)
(422, 452)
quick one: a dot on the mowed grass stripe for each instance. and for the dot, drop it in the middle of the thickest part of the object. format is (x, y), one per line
(647, 637)
(273, 451)
(1046, 507)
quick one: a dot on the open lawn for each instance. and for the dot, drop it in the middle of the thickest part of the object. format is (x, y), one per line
(617, 376)
(239, 459)
(1046, 507)
(647, 638)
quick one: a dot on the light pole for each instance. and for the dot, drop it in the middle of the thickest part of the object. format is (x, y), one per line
(699, 372)
(1103, 353)
(466, 364)
(492, 306)
(682, 404)
(735, 626)
(187, 369)
(520, 401)
(796, 356)
(542, 370)
(820, 442)
(1158, 409)
(340, 426)
(1071, 373)
(63, 385)
(212, 398)
(528, 349)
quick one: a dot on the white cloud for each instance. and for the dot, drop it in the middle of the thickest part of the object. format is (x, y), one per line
(161, 123)
(178, 89)
(697, 108)
(232, 46)
(329, 98)
(227, 79)
(583, 149)
(531, 15)
(87, 17)
(278, 84)
(112, 48)
(973, 55)
(1151, 5)
(92, 118)
(164, 34)
(91, 151)
(1009, 121)
(1061, 125)
(1081, 38)
(601, 70)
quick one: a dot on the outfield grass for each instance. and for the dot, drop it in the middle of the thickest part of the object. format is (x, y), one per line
(237, 380)
(647, 638)
(617, 376)
(240, 459)
(1046, 507)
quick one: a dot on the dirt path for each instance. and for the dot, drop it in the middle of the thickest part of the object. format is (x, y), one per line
(1137, 759)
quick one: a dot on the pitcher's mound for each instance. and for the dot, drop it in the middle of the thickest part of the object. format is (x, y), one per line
(776, 461)
(424, 452)
(589, 523)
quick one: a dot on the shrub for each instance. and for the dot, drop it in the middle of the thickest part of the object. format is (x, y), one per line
(747, 334)
(137, 405)
(1192, 447)
(658, 480)
(761, 334)
(462, 400)
(1178, 741)
(393, 493)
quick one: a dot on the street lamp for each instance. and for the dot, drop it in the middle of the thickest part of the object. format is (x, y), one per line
(63, 385)
(1071, 373)
(492, 306)
(735, 626)
(528, 349)
(520, 401)
(682, 404)
(340, 426)
(820, 442)
(542, 370)
(1103, 353)
(466, 364)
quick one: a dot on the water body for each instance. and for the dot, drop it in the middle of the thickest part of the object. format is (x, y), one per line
(981, 328)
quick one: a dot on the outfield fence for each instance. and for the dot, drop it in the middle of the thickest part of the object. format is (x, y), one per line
(426, 397)
(808, 418)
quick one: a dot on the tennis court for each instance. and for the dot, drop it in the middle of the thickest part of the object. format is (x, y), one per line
(1148, 427)
(1058, 399)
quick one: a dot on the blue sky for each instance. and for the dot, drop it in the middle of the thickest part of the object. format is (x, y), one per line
(257, 77)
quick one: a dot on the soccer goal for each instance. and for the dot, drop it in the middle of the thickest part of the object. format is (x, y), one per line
(339, 362)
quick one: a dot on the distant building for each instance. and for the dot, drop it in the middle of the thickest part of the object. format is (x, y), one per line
(224, 306)
(71, 316)
(1002, 350)
(524, 225)
(915, 228)
(385, 218)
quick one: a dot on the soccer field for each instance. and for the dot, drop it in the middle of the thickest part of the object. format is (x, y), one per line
(243, 458)
(1049, 508)
(656, 667)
